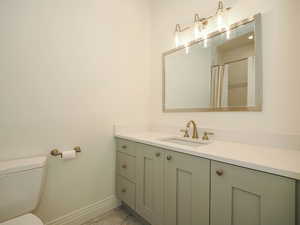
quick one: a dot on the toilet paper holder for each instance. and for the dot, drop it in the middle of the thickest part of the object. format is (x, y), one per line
(56, 152)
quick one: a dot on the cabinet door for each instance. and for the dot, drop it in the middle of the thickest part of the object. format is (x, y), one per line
(242, 196)
(150, 183)
(187, 183)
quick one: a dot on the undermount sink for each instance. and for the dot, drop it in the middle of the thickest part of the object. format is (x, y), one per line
(185, 141)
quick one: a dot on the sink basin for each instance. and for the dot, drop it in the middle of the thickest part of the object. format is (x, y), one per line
(185, 141)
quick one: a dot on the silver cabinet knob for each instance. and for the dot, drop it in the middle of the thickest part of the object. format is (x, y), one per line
(124, 166)
(169, 157)
(157, 154)
(124, 146)
(123, 190)
(220, 172)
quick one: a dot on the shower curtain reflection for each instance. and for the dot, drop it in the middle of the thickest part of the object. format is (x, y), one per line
(233, 84)
(219, 86)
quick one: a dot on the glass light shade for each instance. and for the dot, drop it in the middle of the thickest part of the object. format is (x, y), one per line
(222, 17)
(222, 21)
(197, 30)
(197, 26)
(177, 35)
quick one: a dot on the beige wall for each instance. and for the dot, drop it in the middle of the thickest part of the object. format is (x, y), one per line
(69, 70)
(281, 77)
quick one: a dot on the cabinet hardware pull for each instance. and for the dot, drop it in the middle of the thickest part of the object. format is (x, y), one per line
(124, 146)
(124, 166)
(123, 190)
(157, 154)
(169, 157)
(219, 172)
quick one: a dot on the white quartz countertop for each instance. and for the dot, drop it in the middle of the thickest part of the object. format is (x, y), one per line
(277, 161)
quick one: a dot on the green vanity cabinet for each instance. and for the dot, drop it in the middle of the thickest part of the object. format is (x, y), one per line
(149, 183)
(187, 184)
(242, 196)
(170, 188)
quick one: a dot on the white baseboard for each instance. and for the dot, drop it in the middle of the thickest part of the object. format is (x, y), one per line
(84, 214)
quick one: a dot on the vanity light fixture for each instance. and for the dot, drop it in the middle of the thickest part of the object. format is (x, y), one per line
(200, 25)
(251, 37)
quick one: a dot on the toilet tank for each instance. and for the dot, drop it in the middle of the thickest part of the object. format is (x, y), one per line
(21, 183)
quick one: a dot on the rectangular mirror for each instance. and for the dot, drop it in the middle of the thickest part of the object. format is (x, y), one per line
(224, 74)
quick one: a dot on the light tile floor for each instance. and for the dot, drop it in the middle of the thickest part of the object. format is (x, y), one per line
(115, 217)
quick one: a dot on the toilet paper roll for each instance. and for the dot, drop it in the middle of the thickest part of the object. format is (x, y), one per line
(69, 155)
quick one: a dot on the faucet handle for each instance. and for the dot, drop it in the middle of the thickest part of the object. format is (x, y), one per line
(206, 135)
(186, 132)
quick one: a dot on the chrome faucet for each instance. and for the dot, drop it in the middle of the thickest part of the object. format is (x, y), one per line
(195, 131)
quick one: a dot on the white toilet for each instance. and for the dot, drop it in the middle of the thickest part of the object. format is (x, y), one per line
(21, 183)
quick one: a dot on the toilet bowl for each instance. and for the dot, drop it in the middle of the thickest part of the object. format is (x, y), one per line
(28, 219)
(21, 183)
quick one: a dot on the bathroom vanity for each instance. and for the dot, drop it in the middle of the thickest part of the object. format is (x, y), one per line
(220, 183)
(170, 181)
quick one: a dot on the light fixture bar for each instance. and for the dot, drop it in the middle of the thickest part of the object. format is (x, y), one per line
(200, 25)
(213, 34)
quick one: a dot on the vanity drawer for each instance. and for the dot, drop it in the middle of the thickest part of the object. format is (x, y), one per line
(126, 191)
(126, 147)
(126, 165)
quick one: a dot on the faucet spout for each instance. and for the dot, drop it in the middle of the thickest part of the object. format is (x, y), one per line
(195, 130)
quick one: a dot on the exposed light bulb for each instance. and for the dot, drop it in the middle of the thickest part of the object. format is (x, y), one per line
(196, 31)
(251, 37)
(177, 35)
(220, 16)
(197, 26)
(220, 22)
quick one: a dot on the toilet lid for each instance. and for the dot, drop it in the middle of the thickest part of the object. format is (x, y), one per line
(27, 219)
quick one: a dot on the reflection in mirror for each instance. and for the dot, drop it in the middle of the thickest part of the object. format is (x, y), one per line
(234, 66)
(225, 75)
